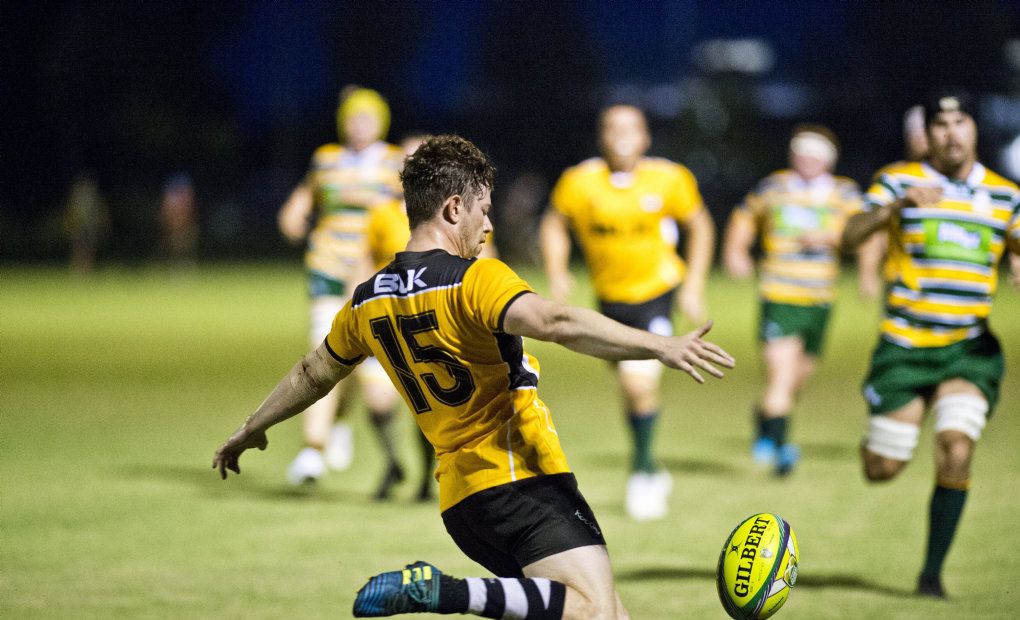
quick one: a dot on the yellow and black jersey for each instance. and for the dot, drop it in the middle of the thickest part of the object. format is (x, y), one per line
(784, 207)
(944, 259)
(435, 323)
(625, 224)
(346, 185)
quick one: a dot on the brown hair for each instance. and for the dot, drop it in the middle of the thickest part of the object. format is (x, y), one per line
(443, 166)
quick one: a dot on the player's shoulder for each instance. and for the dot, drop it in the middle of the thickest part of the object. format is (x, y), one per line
(661, 165)
(587, 168)
(777, 180)
(393, 152)
(998, 183)
(901, 170)
(327, 154)
(845, 184)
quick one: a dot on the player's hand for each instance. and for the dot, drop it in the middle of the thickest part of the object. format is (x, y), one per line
(692, 303)
(560, 286)
(1014, 269)
(739, 266)
(924, 196)
(293, 225)
(690, 352)
(227, 455)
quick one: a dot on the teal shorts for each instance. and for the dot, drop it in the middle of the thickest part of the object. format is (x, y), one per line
(806, 322)
(898, 374)
(322, 286)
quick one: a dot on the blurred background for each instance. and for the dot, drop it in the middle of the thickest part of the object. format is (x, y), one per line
(206, 113)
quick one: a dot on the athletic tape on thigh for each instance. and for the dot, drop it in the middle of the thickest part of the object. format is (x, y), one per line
(891, 438)
(966, 413)
(646, 368)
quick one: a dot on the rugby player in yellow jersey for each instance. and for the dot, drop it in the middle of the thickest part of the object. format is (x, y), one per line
(343, 185)
(799, 214)
(448, 328)
(949, 221)
(624, 208)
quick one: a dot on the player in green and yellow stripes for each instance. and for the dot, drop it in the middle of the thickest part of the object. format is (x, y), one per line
(949, 220)
(331, 207)
(798, 214)
(448, 328)
(624, 208)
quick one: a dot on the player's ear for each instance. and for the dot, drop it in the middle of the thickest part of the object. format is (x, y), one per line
(453, 208)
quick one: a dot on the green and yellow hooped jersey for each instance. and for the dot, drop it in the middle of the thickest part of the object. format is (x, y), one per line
(435, 323)
(346, 185)
(783, 208)
(943, 259)
(625, 224)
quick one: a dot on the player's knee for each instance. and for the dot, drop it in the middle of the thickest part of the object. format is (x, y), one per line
(888, 446)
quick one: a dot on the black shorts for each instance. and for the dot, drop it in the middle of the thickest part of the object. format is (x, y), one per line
(651, 316)
(505, 528)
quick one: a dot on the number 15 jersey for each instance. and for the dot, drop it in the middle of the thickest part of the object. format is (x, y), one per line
(435, 323)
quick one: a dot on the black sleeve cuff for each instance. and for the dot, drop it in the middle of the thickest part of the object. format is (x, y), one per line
(342, 360)
(506, 306)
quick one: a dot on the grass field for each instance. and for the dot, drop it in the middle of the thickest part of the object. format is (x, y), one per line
(116, 391)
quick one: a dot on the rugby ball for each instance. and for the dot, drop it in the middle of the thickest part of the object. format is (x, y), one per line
(757, 567)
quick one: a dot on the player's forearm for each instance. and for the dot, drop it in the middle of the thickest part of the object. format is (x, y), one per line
(591, 333)
(555, 244)
(700, 246)
(308, 381)
(863, 225)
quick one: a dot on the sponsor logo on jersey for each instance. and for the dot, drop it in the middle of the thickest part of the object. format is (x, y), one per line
(395, 283)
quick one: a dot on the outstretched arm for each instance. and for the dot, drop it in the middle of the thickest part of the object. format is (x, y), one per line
(591, 333)
(308, 381)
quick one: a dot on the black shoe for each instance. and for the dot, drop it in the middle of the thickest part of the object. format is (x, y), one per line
(930, 585)
(394, 475)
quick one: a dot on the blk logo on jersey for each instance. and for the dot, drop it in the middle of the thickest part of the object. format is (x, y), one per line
(394, 283)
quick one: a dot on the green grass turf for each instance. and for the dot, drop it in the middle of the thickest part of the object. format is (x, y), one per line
(116, 390)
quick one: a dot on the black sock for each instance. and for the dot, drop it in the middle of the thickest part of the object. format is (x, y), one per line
(642, 431)
(774, 429)
(759, 422)
(383, 422)
(943, 517)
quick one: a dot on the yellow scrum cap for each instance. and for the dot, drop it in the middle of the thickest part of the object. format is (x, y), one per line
(364, 100)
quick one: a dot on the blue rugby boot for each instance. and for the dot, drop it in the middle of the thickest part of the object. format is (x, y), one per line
(412, 590)
(786, 459)
(763, 451)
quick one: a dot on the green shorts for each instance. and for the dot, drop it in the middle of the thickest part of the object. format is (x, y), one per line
(806, 322)
(898, 374)
(320, 285)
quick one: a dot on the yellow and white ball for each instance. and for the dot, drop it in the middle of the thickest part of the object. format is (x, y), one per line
(757, 567)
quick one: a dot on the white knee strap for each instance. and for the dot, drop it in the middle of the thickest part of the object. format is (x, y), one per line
(966, 413)
(891, 439)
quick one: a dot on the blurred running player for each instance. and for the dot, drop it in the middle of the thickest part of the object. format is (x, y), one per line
(344, 183)
(949, 221)
(624, 208)
(448, 328)
(799, 214)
